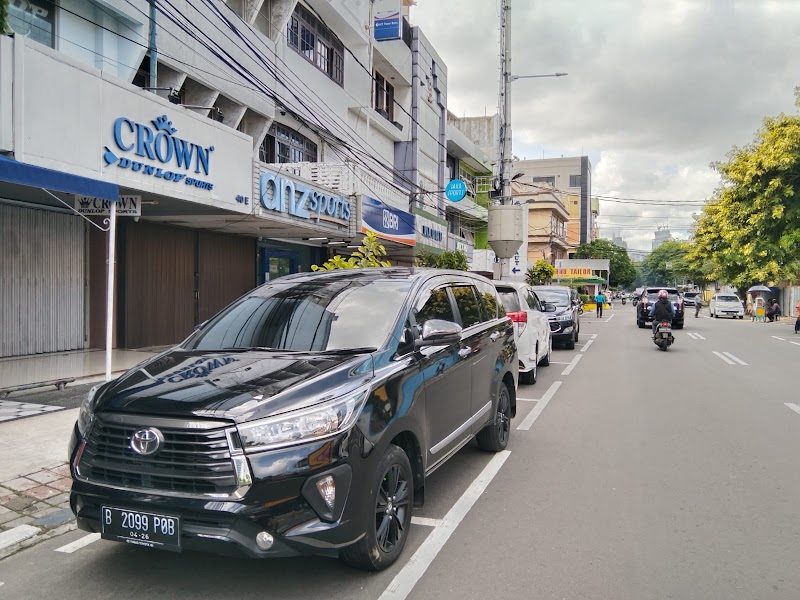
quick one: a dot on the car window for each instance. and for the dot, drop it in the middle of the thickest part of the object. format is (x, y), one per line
(310, 315)
(557, 297)
(533, 301)
(468, 306)
(727, 298)
(435, 306)
(488, 293)
(510, 299)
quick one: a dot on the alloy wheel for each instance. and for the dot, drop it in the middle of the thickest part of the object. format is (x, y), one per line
(391, 508)
(502, 420)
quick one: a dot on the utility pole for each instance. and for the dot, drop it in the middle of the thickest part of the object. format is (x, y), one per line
(505, 153)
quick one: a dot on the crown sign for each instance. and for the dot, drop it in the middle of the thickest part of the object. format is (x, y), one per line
(162, 123)
(85, 203)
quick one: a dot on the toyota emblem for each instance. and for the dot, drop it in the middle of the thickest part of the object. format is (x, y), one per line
(146, 441)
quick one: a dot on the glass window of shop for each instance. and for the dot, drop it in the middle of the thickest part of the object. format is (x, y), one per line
(35, 20)
(284, 145)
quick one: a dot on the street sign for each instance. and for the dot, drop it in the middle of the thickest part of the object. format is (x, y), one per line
(127, 206)
(515, 270)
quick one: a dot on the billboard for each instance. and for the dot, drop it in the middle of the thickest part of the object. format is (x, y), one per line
(387, 19)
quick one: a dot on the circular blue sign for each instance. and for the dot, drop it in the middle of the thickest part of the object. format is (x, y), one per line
(455, 190)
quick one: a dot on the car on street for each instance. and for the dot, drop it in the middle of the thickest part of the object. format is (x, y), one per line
(726, 305)
(649, 296)
(301, 419)
(532, 327)
(689, 298)
(565, 325)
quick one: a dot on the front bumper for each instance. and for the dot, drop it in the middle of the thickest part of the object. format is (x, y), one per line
(562, 332)
(282, 501)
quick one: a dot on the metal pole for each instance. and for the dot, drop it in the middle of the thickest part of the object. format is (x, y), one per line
(153, 48)
(112, 241)
(505, 165)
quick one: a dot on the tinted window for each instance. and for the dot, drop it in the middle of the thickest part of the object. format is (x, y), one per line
(533, 301)
(490, 304)
(436, 306)
(727, 299)
(510, 299)
(316, 315)
(468, 305)
(653, 296)
(557, 297)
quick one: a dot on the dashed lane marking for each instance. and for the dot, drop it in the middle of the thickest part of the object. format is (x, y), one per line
(609, 318)
(793, 406)
(586, 347)
(426, 521)
(695, 336)
(531, 417)
(552, 362)
(571, 365)
(692, 335)
(404, 582)
(79, 543)
(527, 399)
(725, 358)
(594, 335)
(795, 343)
(733, 358)
(778, 338)
(700, 337)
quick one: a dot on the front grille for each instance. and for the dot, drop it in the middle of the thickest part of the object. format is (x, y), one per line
(191, 461)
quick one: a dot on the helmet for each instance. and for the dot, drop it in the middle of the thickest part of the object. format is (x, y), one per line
(663, 294)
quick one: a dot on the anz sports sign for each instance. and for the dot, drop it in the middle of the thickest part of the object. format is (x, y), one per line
(283, 195)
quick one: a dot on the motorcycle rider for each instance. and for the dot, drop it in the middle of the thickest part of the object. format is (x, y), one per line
(662, 310)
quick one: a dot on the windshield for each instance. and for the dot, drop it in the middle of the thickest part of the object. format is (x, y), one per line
(308, 316)
(653, 296)
(727, 299)
(557, 297)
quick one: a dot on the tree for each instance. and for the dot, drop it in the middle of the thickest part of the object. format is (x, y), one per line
(451, 259)
(368, 255)
(750, 231)
(623, 273)
(540, 273)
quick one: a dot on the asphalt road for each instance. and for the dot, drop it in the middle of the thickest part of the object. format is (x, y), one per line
(645, 475)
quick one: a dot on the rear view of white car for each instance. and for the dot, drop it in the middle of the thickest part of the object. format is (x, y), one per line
(531, 327)
(726, 305)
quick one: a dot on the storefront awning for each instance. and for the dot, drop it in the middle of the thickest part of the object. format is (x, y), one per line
(580, 280)
(13, 171)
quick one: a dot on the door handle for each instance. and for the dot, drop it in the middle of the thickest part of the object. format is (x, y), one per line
(465, 352)
(495, 336)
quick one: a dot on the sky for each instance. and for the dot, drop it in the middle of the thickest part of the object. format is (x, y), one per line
(657, 90)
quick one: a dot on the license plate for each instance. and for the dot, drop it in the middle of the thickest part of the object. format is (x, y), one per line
(141, 528)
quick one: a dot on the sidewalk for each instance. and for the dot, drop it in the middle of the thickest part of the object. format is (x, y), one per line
(34, 480)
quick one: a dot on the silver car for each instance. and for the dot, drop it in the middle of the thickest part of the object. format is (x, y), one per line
(726, 305)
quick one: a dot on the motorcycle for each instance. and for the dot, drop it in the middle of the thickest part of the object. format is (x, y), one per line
(635, 301)
(663, 336)
(624, 301)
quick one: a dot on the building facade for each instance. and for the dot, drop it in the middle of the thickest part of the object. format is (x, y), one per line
(547, 223)
(661, 236)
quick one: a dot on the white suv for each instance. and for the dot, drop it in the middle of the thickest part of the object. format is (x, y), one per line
(531, 327)
(727, 305)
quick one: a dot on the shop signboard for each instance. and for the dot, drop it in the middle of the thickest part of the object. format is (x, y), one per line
(127, 206)
(431, 233)
(387, 222)
(387, 20)
(456, 190)
(282, 194)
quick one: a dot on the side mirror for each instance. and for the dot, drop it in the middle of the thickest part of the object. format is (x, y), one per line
(437, 332)
(549, 308)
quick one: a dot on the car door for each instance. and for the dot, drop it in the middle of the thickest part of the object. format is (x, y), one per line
(538, 319)
(447, 375)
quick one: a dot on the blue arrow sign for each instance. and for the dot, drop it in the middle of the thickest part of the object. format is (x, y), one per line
(515, 270)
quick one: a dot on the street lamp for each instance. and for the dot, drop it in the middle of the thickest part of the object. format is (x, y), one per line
(515, 77)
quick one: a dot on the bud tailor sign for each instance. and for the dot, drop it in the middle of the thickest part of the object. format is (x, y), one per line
(153, 149)
(387, 222)
(282, 194)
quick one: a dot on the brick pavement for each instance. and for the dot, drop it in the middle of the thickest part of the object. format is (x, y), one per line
(40, 499)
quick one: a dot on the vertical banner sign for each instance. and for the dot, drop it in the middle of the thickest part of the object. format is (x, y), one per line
(387, 19)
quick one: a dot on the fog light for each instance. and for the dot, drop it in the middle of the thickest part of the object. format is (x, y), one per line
(327, 489)
(242, 471)
(264, 540)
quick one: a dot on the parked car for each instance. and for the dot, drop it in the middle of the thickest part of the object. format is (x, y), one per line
(532, 327)
(303, 418)
(565, 325)
(689, 298)
(727, 305)
(649, 296)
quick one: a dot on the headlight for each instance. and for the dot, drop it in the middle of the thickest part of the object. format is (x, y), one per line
(317, 422)
(564, 317)
(86, 413)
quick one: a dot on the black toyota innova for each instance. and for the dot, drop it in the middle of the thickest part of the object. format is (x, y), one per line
(302, 419)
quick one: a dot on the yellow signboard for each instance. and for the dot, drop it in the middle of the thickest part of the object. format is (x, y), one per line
(573, 273)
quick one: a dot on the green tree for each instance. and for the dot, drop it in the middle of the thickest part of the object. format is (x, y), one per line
(452, 259)
(540, 273)
(668, 264)
(623, 273)
(750, 231)
(368, 255)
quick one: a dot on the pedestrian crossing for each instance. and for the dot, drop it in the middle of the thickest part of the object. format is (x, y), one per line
(10, 411)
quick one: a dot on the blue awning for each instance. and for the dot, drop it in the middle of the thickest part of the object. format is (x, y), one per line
(13, 171)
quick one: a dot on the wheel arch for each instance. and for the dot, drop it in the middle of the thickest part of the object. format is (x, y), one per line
(508, 380)
(408, 442)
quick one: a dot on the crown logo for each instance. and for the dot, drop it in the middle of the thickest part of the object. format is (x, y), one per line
(85, 203)
(162, 123)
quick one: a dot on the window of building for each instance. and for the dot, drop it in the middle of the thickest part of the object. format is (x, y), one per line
(34, 21)
(467, 178)
(550, 180)
(284, 145)
(452, 167)
(383, 98)
(311, 38)
(574, 181)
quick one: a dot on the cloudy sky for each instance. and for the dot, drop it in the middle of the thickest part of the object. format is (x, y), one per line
(657, 89)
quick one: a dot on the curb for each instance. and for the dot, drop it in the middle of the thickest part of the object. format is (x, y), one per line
(43, 535)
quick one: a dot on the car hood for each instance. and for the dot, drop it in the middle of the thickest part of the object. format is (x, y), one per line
(238, 386)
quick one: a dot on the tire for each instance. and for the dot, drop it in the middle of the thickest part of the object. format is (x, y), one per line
(679, 326)
(494, 437)
(716, 316)
(641, 324)
(546, 360)
(393, 479)
(741, 317)
(570, 345)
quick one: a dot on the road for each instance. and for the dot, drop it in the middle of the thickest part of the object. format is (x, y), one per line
(642, 475)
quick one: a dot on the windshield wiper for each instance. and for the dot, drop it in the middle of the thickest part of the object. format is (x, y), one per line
(258, 349)
(364, 350)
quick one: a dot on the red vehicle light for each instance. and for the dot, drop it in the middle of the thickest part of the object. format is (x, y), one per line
(518, 317)
(665, 324)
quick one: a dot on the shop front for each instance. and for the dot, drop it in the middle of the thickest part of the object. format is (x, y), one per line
(188, 176)
(431, 232)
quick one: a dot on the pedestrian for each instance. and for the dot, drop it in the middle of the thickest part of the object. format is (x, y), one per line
(797, 322)
(698, 304)
(774, 310)
(599, 300)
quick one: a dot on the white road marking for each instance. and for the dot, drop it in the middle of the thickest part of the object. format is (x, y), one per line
(426, 521)
(778, 338)
(79, 543)
(531, 417)
(404, 582)
(793, 406)
(692, 335)
(609, 318)
(725, 358)
(571, 366)
(552, 362)
(733, 358)
(586, 347)
(700, 337)
(795, 343)
(1, 584)
(528, 399)
(16, 535)
(594, 335)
